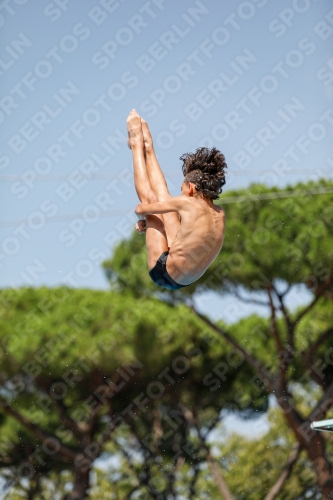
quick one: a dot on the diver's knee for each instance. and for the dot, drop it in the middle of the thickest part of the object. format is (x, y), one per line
(151, 197)
(154, 221)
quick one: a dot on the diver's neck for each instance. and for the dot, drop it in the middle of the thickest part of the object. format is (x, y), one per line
(208, 200)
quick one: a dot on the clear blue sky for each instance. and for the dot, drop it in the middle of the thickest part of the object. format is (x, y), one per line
(253, 78)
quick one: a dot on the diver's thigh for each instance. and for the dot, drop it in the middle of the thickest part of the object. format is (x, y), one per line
(156, 239)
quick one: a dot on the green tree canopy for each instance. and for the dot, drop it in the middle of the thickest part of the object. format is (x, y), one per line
(78, 363)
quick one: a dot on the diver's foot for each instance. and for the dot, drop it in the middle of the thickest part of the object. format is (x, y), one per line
(147, 138)
(135, 136)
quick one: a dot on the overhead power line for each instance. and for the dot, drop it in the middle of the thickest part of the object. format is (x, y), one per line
(232, 199)
(62, 218)
(272, 196)
(174, 173)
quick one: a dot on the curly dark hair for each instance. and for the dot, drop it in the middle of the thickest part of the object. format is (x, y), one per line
(206, 169)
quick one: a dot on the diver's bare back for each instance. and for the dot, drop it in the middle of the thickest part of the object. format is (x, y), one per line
(198, 240)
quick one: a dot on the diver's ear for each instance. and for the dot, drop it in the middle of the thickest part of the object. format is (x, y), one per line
(191, 189)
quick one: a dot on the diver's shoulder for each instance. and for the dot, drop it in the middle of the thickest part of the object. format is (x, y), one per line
(220, 210)
(217, 208)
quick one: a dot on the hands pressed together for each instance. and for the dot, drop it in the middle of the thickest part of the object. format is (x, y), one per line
(140, 226)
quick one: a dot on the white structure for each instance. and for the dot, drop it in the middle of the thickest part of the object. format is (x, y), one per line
(322, 425)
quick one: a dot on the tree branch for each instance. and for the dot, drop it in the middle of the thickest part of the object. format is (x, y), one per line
(192, 490)
(306, 309)
(318, 294)
(284, 356)
(143, 479)
(285, 292)
(277, 487)
(5, 464)
(249, 301)
(220, 482)
(127, 456)
(274, 326)
(308, 354)
(324, 404)
(70, 424)
(219, 479)
(171, 477)
(289, 323)
(66, 451)
(213, 424)
(315, 373)
(252, 360)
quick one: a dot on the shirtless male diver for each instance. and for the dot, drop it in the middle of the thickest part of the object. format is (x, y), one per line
(184, 234)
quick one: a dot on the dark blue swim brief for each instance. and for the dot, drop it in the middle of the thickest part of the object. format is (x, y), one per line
(160, 275)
